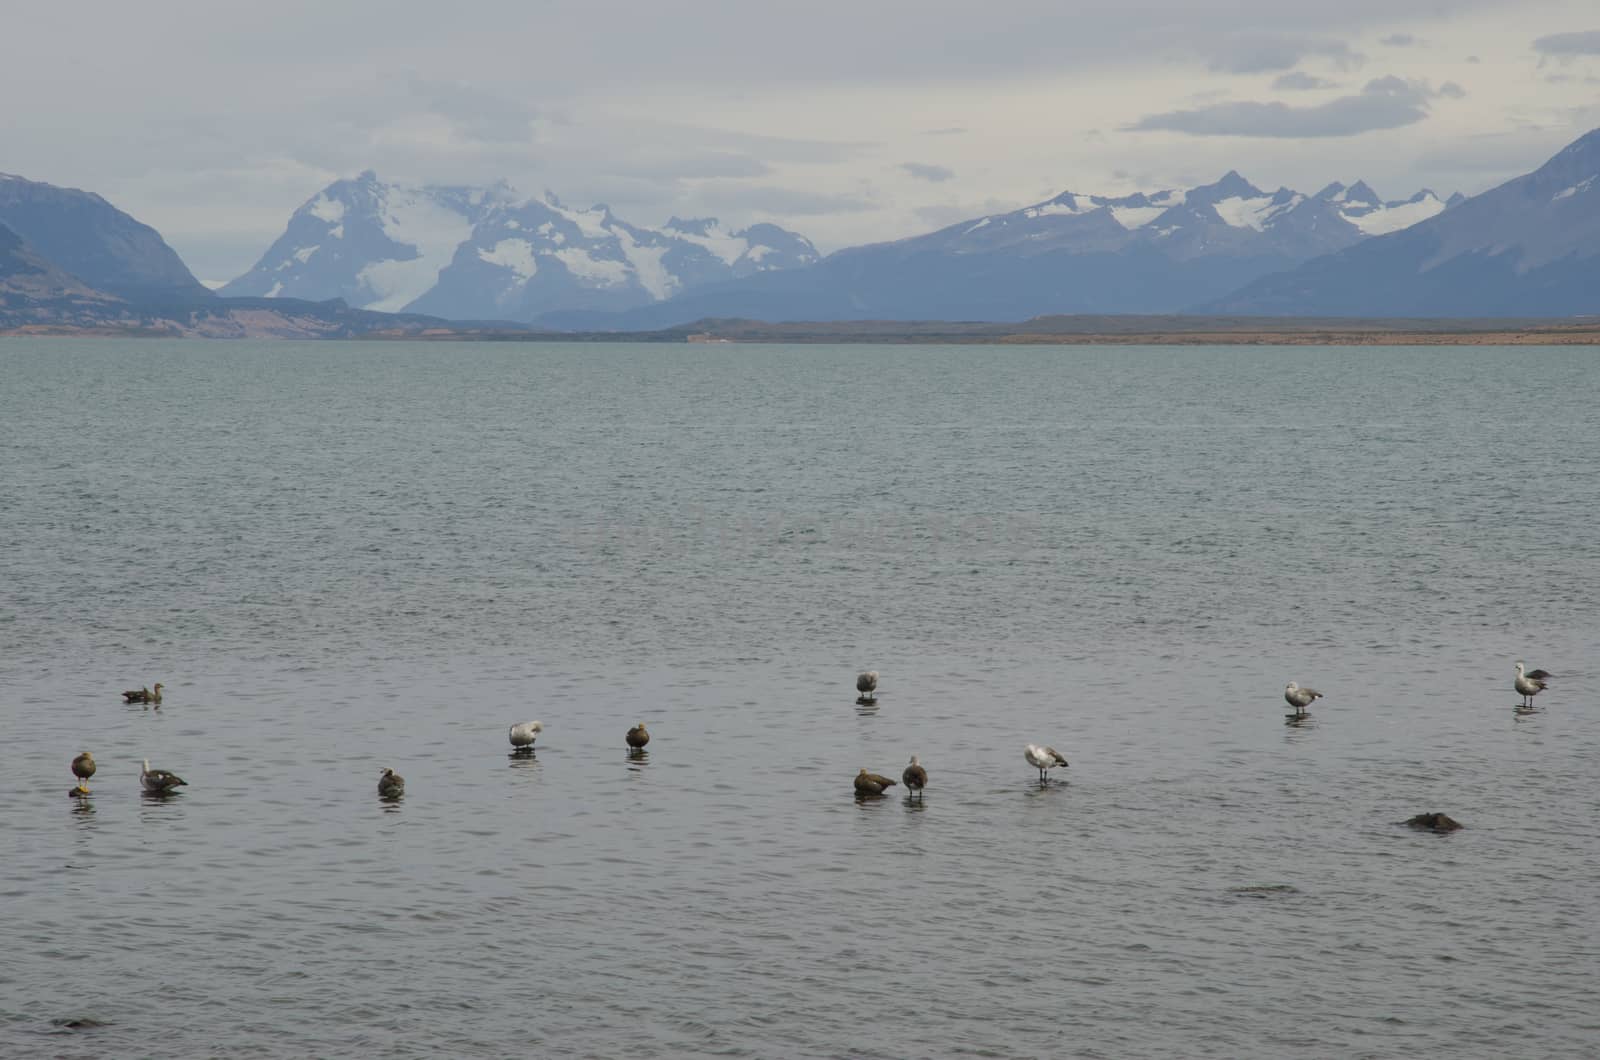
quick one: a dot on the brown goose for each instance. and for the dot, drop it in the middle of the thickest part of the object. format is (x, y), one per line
(638, 737)
(143, 695)
(391, 785)
(83, 769)
(915, 777)
(872, 783)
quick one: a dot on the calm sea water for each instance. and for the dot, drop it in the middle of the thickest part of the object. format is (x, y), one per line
(340, 557)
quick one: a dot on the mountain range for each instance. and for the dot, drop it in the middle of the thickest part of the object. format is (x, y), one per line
(485, 253)
(362, 249)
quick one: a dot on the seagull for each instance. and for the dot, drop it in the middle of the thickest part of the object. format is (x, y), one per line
(391, 785)
(523, 735)
(83, 769)
(1529, 685)
(638, 737)
(867, 685)
(159, 781)
(1299, 698)
(871, 783)
(1043, 759)
(915, 777)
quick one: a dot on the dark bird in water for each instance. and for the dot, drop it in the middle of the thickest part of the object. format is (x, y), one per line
(867, 685)
(638, 737)
(159, 781)
(1299, 698)
(872, 783)
(143, 695)
(915, 777)
(391, 785)
(1531, 684)
(83, 769)
(1043, 759)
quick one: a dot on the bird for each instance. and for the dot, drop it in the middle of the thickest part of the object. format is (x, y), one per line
(391, 785)
(915, 777)
(871, 783)
(1043, 759)
(523, 735)
(638, 737)
(143, 695)
(159, 781)
(1299, 698)
(1531, 684)
(83, 769)
(867, 685)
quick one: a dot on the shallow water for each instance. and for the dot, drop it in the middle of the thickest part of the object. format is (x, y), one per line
(339, 557)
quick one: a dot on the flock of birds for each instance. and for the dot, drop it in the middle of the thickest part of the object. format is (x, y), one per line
(392, 786)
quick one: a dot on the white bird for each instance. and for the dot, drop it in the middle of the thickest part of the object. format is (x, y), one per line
(1529, 685)
(524, 733)
(1043, 759)
(159, 781)
(867, 685)
(1299, 698)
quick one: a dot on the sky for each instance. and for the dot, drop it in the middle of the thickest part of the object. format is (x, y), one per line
(849, 121)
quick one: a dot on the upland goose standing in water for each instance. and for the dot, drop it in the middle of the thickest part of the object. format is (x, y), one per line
(638, 737)
(872, 783)
(915, 778)
(1531, 684)
(159, 781)
(1299, 698)
(867, 685)
(1043, 759)
(391, 785)
(83, 769)
(523, 735)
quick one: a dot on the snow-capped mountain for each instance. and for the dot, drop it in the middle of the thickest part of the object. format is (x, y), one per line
(1530, 247)
(486, 253)
(1151, 252)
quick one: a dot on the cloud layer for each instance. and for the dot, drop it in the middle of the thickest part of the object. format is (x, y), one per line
(1383, 103)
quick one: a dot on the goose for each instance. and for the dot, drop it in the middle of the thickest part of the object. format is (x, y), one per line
(391, 785)
(143, 695)
(1531, 684)
(915, 777)
(1043, 759)
(1299, 698)
(638, 737)
(523, 735)
(867, 685)
(83, 769)
(871, 783)
(159, 781)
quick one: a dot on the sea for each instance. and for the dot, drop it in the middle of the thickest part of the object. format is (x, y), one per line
(342, 557)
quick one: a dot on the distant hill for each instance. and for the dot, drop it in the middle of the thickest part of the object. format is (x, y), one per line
(473, 253)
(1075, 253)
(1530, 247)
(104, 248)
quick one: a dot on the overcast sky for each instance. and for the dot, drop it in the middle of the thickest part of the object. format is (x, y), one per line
(846, 120)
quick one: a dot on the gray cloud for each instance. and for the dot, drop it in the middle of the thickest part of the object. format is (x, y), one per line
(798, 202)
(1384, 103)
(476, 114)
(1263, 53)
(1400, 40)
(954, 130)
(1569, 45)
(1300, 81)
(924, 171)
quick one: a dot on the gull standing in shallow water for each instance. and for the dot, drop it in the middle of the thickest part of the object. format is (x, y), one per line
(523, 735)
(915, 778)
(1529, 685)
(1299, 698)
(159, 781)
(1043, 759)
(867, 685)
